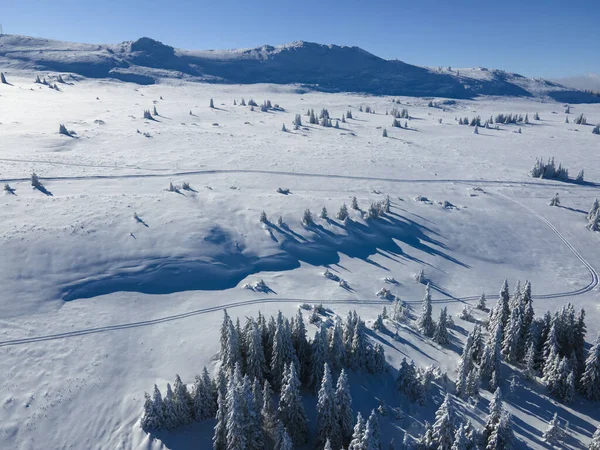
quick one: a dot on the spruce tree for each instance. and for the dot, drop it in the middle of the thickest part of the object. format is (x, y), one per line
(291, 410)
(319, 357)
(282, 439)
(501, 437)
(343, 402)
(595, 443)
(441, 330)
(482, 304)
(425, 321)
(170, 411)
(235, 429)
(328, 424)
(590, 380)
(494, 415)
(220, 436)
(443, 428)
(512, 344)
(153, 418)
(267, 411)
(183, 402)
(461, 442)
(3, 78)
(255, 356)
(465, 365)
(337, 351)
(357, 433)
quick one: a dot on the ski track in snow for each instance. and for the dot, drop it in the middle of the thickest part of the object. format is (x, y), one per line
(271, 172)
(590, 286)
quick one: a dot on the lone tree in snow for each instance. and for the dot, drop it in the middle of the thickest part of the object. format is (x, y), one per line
(354, 204)
(212, 104)
(148, 115)
(283, 128)
(425, 321)
(554, 433)
(385, 132)
(35, 181)
(343, 213)
(155, 112)
(307, 218)
(596, 129)
(63, 130)
(3, 78)
(555, 201)
(481, 304)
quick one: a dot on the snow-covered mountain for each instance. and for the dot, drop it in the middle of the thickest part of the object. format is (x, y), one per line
(328, 68)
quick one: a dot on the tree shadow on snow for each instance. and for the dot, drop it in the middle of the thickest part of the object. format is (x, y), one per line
(228, 265)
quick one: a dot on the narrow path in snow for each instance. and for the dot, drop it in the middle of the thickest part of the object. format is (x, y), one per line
(545, 183)
(590, 286)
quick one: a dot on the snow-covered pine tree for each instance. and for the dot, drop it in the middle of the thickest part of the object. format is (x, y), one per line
(371, 439)
(328, 424)
(3, 78)
(319, 346)
(323, 214)
(220, 436)
(491, 358)
(343, 213)
(590, 380)
(255, 356)
(595, 443)
(384, 134)
(343, 404)
(555, 201)
(212, 104)
(441, 330)
(465, 366)
(153, 418)
(502, 437)
(530, 371)
(426, 441)
(170, 411)
(354, 204)
(443, 428)
(461, 442)
(357, 433)
(282, 438)
(291, 411)
(494, 415)
(408, 382)
(235, 424)
(425, 321)
(512, 345)
(594, 210)
(307, 218)
(358, 353)
(267, 411)
(481, 303)
(301, 346)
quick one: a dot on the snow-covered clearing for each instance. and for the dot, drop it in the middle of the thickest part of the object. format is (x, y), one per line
(97, 306)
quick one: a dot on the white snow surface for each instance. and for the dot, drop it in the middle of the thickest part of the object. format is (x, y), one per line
(96, 306)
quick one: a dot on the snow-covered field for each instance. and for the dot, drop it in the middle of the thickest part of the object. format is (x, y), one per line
(97, 306)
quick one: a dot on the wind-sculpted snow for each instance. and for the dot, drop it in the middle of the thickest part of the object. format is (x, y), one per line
(225, 264)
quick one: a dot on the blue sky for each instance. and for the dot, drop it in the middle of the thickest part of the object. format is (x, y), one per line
(546, 38)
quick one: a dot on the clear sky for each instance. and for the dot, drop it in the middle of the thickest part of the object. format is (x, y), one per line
(546, 38)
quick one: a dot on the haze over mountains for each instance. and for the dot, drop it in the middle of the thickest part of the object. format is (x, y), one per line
(327, 68)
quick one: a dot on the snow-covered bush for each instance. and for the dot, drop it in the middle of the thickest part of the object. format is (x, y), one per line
(580, 120)
(596, 129)
(330, 275)
(385, 294)
(283, 191)
(466, 314)
(555, 201)
(420, 276)
(263, 217)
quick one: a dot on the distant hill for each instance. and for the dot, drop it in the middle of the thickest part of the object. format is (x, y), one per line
(329, 68)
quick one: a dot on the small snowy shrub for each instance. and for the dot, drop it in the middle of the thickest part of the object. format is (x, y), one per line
(420, 276)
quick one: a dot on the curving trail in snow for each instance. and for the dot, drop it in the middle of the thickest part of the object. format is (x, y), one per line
(182, 173)
(103, 329)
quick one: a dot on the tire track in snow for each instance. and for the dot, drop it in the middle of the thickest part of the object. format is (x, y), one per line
(593, 273)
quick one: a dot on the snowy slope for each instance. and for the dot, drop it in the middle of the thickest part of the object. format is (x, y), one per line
(96, 306)
(328, 68)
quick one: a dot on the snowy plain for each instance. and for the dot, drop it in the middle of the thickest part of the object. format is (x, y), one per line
(97, 306)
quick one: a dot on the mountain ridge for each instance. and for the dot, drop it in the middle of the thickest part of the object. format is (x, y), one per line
(323, 67)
